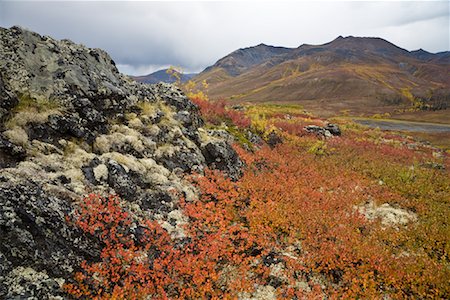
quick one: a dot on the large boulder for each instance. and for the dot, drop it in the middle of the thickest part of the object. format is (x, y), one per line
(328, 131)
(220, 155)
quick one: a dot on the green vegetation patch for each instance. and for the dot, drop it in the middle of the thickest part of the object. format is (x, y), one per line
(28, 102)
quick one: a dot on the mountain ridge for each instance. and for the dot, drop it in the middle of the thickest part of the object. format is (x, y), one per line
(163, 76)
(358, 70)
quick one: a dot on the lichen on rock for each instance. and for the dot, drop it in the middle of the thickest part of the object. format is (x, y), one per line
(71, 124)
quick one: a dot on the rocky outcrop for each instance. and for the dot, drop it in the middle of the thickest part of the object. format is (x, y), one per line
(71, 124)
(328, 131)
(10, 154)
(7, 101)
(219, 154)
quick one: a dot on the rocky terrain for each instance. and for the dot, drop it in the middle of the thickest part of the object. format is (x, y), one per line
(71, 124)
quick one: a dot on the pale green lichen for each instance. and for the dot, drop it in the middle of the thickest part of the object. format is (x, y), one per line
(17, 135)
(21, 277)
(121, 135)
(101, 172)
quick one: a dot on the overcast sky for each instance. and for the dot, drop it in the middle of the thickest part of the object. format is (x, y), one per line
(146, 36)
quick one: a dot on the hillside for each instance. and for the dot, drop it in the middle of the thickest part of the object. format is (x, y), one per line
(363, 75)
(70, 125)
(163, 76)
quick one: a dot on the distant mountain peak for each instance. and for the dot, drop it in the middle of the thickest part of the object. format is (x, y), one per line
(242, 59)
(420, 50)
(163, 76)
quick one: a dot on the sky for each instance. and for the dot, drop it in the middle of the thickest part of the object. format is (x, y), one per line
(146, 36)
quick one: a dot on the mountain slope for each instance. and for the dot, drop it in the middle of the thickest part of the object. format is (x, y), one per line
(347, 73)
(163, 76)
(241, 60)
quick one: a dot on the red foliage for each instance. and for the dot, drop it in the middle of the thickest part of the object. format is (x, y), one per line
(296, 198)
(295, 128)
(289, 203)
(133, 264)
(131, 267)
(216, 112)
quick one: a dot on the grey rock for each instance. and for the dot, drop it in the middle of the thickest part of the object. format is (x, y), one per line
(88, 171)
(328, 131)
(57, 128)
(175, 97)
(184, 118)
(319, 131)
(92, 117)
(157, 201)
(120, 181)
(221, 134)
(89, 143)
(273, 139)
(220, 155)
(333, 129)
(254, 138)
(35, 234)
(63, 71)
(10, 154)
(187, 160)
(7, 100)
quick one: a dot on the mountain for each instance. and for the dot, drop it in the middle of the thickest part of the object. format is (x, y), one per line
(241, 60)
(357, 73)
(163, 76)
(70, 125)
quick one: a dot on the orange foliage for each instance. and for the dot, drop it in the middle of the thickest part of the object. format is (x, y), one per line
(298, 198)
(290, 204)
(216, 112)
(132, 265)
(215, 263)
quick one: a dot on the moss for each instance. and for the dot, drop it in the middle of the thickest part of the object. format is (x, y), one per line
(123, 135)
(240, 136)
(147, 108)
(35, 110)
(101, 172)
(135, 123)
(27, 102)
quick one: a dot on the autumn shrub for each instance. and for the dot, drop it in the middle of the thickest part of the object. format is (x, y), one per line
(291, 127)
(138, 258)
(300, 197)
(216, 112)
(298, 201)
(132, 265)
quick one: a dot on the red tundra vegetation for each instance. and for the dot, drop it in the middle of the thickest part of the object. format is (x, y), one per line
(293, 221)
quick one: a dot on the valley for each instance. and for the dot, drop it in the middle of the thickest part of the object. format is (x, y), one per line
(357, 76)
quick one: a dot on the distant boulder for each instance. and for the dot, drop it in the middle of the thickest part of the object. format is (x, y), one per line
(328, 131)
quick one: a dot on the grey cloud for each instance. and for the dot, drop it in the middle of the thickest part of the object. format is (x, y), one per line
(144, 36)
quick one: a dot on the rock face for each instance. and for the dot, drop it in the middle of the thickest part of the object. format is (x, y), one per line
(71, 124)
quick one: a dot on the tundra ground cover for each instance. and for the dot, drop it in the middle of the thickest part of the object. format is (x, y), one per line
(297, 220)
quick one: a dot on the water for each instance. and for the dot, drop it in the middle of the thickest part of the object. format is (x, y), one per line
(405, 126)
